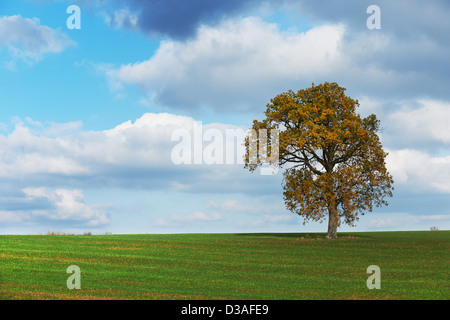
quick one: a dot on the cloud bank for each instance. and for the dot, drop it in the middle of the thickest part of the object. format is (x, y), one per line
(27, 40)
(138, 155)
(238, 65)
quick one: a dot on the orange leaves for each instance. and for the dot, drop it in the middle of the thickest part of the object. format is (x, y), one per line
(335, 156)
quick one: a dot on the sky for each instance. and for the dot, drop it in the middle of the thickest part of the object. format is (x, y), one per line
(93, 115)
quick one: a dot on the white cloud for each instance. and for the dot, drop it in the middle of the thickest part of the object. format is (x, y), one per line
(269, 220)
(248, 205)
(247, 57)
(280, 218)
(408, 221)
(26, 39)
(255, 60)
(430, 121)
(60, 205)
(419, 170)
(122, 18)
(232, 205)
(146, 142)
(388, 222)
(131, 155)
(177, 220)
(12, 216)
(197, 216)
(369, 105)
(68, 205)
(24, 153)
(161, 222)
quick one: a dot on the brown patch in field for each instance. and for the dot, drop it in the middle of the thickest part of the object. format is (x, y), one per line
(362, 296)
(307, 239)
(351, 275)
(126, 248)
(6, 255)
(133, 282)
(100, 242)
(349, 237)
(121, 282)
(26, 295)
(176, 296)
(75, 259)
(321, 237)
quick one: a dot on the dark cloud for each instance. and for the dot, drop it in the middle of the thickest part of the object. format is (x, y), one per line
(180, 18)
(177, 19)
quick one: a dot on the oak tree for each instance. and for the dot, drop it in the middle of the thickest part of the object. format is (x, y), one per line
(334, 160)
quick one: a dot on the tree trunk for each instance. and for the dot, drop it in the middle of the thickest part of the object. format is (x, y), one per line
(332, 221)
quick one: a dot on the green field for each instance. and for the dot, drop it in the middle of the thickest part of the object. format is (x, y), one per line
(414, 265)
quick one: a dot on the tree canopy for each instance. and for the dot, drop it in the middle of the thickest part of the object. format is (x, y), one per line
(335, 163)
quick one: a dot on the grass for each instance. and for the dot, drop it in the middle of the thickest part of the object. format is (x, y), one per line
(414, 265)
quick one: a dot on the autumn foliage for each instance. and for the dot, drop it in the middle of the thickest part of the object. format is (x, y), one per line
(335, 163)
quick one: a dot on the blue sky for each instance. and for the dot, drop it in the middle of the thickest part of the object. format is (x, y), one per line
(87, 116)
